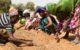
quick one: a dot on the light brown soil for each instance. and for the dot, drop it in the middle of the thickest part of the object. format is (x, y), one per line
(42, 40)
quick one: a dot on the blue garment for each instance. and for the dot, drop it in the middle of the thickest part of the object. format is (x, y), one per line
(44, 22)
(39, 9)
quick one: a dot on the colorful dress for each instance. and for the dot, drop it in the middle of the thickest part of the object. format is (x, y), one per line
(75, 18)
(75, 21)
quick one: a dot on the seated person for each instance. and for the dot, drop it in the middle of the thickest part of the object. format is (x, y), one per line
(8, 21)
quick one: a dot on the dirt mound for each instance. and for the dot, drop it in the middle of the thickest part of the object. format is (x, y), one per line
(42, 40)
(10, 46)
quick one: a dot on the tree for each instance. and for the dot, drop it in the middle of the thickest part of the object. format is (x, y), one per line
(51, 8)
(30, 5)
(20, 6)
(76, 2)
(4, 5)
(63, 8)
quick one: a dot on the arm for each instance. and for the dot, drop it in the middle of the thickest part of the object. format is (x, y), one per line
(55, 18)
(33, 15)
(20, 27)
(50, 23)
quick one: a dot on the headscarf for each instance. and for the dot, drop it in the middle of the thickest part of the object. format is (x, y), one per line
(13, 11)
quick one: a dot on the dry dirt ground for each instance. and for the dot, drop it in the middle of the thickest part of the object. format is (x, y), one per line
(42, 40)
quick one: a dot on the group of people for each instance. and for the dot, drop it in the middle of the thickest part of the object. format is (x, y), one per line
(40, 19)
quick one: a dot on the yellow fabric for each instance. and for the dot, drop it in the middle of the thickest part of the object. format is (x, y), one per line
(3, 32)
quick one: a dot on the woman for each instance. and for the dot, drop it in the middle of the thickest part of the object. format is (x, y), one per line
(75, 22)
(7, 22)
(48, 22)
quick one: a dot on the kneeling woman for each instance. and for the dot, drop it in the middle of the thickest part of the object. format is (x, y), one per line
(46, 23)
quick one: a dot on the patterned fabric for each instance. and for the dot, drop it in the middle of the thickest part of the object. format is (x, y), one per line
(31, 22)
(75, 18)
(5, 22)
(3, 32)
(75, 21)
(44, 22)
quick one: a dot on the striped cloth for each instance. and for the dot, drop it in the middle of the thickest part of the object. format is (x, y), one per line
(5, 22)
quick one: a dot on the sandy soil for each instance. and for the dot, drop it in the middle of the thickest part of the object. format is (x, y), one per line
(42, 40)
